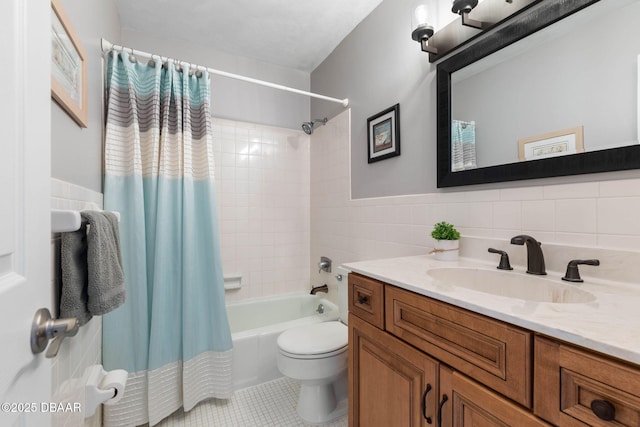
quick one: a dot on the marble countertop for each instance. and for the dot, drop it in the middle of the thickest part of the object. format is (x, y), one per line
(609, 324)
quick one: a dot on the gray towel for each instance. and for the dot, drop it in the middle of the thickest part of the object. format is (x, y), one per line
(92, 275)
(73, 263)
(105, 287)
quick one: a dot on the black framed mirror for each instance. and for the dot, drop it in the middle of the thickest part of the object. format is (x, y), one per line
(543, 15)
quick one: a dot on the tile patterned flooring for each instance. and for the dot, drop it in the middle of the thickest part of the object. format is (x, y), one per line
(270, 404)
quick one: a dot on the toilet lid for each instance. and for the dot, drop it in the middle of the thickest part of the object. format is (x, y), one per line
(318, 338)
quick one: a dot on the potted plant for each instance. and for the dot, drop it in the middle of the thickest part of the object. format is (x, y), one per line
(447, 241)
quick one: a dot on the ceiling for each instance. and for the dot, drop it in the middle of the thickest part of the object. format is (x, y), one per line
(296, 34)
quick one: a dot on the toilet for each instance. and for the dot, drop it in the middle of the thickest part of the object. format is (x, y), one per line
(316, 356)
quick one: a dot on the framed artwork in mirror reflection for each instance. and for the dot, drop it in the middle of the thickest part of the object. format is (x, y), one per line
(383, 134)
(552, 144)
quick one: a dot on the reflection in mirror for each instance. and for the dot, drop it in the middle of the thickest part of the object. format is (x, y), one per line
(570, 88)
(552, 81)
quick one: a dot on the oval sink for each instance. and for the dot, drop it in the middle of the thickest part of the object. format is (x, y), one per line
(511, 285)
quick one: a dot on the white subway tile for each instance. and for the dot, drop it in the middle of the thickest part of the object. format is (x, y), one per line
(538, 215)
(577, 239)
(619, 216)
(620, 188)
(480, 215)
(571, 191)
(507, 215)
(521, 193)
(576, 216)
(617, 241)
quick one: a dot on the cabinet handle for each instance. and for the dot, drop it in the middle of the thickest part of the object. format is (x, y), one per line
(603, 410)
(424, 403)
(442, 402)
(363, 299)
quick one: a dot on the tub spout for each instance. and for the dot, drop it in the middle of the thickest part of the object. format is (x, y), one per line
(323, 288)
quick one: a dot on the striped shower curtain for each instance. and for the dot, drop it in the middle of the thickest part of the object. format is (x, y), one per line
(172, 334)
(463, 145)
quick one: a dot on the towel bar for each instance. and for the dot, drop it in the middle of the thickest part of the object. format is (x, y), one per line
(68, 220)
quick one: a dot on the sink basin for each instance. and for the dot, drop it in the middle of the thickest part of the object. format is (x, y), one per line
(511, 285)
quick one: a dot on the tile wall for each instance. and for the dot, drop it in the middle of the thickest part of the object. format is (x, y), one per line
(84, 349)
(262, 183)
(592, 214)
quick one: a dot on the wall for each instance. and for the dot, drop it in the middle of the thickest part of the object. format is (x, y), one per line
(262, 185)
(84, 349)
(599, 214)
(76, 168)
(233, 99)
(76, 153)
(376, 66)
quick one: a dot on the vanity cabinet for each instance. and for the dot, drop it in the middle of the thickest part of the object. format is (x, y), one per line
(407, 369)
(415, 361)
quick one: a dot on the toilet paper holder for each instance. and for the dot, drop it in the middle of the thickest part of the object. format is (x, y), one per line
(102, 387)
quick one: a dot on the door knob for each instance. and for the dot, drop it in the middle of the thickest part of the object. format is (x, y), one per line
(44, 329)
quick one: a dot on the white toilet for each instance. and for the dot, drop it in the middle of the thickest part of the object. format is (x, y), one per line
(316, 356)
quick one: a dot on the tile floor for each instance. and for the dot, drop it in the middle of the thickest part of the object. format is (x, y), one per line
(269, 404)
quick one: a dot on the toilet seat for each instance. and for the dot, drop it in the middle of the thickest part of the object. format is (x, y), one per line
(315, 341)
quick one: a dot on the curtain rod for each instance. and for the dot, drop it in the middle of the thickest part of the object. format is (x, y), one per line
(107, 46)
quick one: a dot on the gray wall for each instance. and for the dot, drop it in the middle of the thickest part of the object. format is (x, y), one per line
(377, 66)
(76, 153)
(233, 99)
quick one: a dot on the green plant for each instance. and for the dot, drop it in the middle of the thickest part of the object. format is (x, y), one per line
(445, 231)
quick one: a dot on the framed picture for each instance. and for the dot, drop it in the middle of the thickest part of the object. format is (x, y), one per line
(553, 144)
(383, 134)
(68, 66)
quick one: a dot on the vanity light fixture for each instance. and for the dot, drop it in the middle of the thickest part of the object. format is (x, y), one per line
(463, 8)
(421, 29)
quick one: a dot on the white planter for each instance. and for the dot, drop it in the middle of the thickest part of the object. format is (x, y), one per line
(447, 250)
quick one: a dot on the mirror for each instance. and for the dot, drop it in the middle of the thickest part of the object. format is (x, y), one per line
(561, 101)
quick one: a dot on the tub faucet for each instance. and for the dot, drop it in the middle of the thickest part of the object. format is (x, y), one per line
(323, 288)
(324, 264)
(535, 258)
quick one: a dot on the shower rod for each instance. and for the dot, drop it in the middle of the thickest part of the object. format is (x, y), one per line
(107, 46)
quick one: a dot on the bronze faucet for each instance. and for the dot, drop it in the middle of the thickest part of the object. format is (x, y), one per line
(535, 259)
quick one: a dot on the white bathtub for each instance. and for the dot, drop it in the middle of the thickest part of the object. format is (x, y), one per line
(255, 326)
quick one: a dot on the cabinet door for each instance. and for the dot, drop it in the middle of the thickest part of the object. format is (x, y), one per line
(390, 382)
(465, 403)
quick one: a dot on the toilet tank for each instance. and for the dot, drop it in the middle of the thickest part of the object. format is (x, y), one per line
(343, 289)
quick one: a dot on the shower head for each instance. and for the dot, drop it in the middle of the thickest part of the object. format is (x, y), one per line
(308, 127)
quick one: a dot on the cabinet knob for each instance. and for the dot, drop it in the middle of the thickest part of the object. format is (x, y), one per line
(603, 410)
(363, 299)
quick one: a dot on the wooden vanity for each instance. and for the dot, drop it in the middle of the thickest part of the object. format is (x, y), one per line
(417, 361)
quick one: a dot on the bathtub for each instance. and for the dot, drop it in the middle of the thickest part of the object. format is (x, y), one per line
(255, 326)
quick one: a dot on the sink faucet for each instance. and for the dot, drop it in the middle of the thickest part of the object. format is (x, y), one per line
(535, 259)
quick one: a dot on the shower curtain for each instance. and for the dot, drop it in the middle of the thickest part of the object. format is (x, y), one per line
(172, 334)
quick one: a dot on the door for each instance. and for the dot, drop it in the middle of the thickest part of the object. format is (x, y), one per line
(390, 382)
(25, 272)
